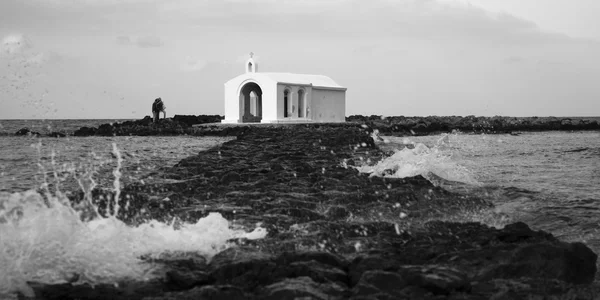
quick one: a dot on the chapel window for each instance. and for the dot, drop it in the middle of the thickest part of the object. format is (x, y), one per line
(301, 104)
(285, 103)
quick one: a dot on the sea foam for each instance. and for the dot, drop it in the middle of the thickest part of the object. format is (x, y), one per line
(43, 238)
(418, 159)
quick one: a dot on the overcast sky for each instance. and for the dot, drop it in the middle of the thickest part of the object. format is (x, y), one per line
(111, 58)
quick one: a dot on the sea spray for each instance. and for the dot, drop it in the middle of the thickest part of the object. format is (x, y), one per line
(418, 159)
(50, 243)
(442, 163)
(117, 182)
(45, 239)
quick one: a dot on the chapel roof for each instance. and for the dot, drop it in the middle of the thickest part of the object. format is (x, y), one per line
(251, 69)
(290, 78)
(308, 79)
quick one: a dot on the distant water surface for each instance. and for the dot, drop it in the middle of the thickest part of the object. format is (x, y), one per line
(45, 126)
(550, 180)
(24, 161)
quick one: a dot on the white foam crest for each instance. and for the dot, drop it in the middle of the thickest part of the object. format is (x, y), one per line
(422, 160)
(117, 181)
(44, 240)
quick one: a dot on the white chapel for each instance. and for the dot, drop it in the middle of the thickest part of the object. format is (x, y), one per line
(282, 98)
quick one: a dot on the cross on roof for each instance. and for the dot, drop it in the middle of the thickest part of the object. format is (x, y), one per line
(251, 54)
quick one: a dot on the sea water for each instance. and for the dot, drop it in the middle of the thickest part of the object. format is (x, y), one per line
(549, 180)
(43, 238)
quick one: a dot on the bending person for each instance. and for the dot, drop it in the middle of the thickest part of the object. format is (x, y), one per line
(157, 107)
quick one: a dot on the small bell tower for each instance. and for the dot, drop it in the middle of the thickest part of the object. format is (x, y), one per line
(251, 66)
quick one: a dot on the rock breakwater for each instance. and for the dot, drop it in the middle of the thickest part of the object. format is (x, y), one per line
(178, 125)
(397, 125)
(401, 125)
(334, 233)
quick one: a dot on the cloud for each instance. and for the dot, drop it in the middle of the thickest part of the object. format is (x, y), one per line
(123, 40)
(191, 64)
(379, 49)
(149, 42)
(37, 59)
(340, 19)
(63, 3)
(351, 19)
(513, 60)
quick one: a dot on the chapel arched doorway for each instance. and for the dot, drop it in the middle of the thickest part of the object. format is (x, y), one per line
(250, 103)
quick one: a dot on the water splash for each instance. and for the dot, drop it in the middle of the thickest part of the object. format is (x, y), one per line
(46, 239)
(117, 182)
(418, 159)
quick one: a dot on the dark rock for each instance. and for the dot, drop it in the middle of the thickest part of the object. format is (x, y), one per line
(337, 212)
(106, 130)
(190, 120)
(230, 177)
(181, 260)
(519, 232)
(23, 131)
(363, 264)
(183, 280)
(85, 131)
(243, 267)
(179, 125)
(401, 125)
(212, 292)
(570, 262)
(299, 213)
(436, 279)
(26, 131)
(325, 258)
(303, 288)
(125, 290)
(316, 271)
(377, 281)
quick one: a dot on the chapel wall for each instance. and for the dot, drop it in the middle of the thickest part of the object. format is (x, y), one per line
(328, 105)
(269, 102)
(232, 107)
(293, 99)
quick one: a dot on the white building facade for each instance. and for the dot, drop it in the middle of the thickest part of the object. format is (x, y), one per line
(283, 98)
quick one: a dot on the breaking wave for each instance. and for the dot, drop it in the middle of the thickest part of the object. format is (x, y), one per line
(418, 159)
(43, 239)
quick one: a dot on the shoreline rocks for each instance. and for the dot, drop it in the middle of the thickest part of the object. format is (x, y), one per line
(178, 125)
(395, 126)
(26, 132)
(334, 233)
(400, 125)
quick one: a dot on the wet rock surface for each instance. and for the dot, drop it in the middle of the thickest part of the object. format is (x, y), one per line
(27, 132)
(178, 125)
(334, 233)
(394, 126)
(401, 125)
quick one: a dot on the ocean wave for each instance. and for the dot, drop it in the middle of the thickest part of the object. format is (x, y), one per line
(414, 159)
(44, 240)
(577, 150)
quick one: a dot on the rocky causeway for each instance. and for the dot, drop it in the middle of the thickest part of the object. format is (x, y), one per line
(393, 126)
(332, 232)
